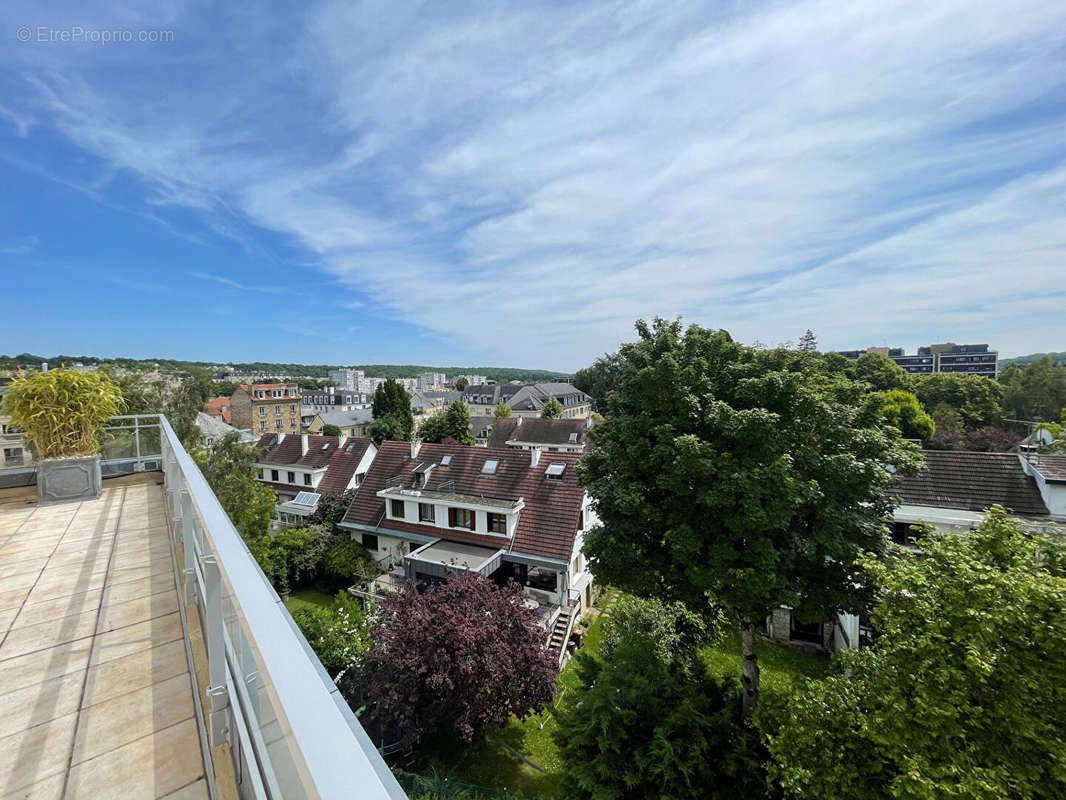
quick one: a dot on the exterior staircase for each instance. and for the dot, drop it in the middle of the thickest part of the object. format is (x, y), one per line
(560, 634)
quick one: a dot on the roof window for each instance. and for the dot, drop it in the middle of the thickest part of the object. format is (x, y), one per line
(325, 446)
(555, 471)
(446, 460)
(489, 467)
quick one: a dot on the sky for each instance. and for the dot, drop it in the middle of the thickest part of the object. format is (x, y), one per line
(514, 184)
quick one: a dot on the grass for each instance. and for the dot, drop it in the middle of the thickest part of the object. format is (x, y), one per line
(489, 764)
(301, 598)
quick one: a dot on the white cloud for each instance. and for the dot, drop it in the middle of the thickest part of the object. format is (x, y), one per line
(236, 284)
(531, 181)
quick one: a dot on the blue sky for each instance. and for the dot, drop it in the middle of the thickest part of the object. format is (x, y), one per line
(449, 183)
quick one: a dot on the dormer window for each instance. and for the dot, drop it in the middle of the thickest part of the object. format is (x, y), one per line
(489, 467)
(555, 471)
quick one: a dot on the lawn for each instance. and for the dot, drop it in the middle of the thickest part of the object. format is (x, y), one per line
(489, 764)
(301, 598)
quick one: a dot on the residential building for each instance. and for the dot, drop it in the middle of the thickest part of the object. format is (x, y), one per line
(428, 381)
(481, 429)
(432, 510)
(333, 398)
(473, 380)
(970, 359)
(527, 400)
(215, 429)
(266, 408)
(220, 407)
(347, 379)
(550, 435)
(304, 467)
(351, 423)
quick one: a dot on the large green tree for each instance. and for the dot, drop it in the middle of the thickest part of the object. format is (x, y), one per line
(599, 380)
(963, 695)
(902, 410)
(978, 400)
(553, 409)
(391, 408)
(1035, 392)
(746, 478)
(451, 423)
(881, 372)
(646, 720)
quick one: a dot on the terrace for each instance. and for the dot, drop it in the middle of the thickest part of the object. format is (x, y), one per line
(144, 654)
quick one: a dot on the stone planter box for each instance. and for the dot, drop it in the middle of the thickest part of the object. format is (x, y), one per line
(68, 480)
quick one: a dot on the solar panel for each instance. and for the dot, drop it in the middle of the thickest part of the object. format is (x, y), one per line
(306, 498)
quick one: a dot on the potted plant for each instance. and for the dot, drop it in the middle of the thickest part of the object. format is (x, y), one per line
(61, 414)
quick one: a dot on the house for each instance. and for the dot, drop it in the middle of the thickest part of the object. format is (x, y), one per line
(951, 493)
(332, 398)
(527, 400)
(430, 510)
(551, 435)
(214, 429)
(481, 429)
(266, 408)
(220, 407)
(303, 467)
(351, 423)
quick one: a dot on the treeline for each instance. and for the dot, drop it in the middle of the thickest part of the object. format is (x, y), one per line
(321, 371)
(1021, 361)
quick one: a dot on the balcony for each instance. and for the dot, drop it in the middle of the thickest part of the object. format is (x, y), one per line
(144, 654)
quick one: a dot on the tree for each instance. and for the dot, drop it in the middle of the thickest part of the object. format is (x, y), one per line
(599, 380)
(808, 341)
(186, 402)
(464, 655)
(977, 399)
(552, 409)
(1036, 392)
(646, 720)
(991, 440)
(461, 384)
(230, 470)
(338, 634)
(392, 409)
(502, 411)
(902, 410)
(881, 372)
(295, 555)
(729, 475)
(962, 697)
(452, 423)
(330, 430)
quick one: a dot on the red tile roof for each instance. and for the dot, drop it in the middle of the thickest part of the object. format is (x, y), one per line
(220, 407)
(547, 524)
(341, 458)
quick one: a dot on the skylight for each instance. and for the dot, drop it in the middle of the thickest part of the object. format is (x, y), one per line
(573, 438)
(446, 460)
(350, 448)
(489, 467)
(555, 471)
(325, 446)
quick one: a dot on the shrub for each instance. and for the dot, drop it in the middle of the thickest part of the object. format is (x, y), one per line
(346, 559)
(61, 412)
(338, 635)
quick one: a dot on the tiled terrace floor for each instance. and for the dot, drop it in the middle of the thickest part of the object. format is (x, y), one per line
(95, 693)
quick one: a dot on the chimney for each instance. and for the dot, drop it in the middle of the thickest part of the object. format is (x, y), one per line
(519, 423)
(416, 445)
(341, 440)
(534, 455)
(303, 445)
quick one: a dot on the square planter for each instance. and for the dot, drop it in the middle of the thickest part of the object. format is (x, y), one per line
(67, 480)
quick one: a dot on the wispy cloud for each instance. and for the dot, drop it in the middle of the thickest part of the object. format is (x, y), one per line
(236, 284)
(22, 248)
(872, 171)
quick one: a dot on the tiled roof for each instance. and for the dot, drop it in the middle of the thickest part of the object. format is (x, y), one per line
(339, 462)
(536, 430)
(220, 407)
(1053, 468)
(972, 482)
(547, 525)
(346, 419)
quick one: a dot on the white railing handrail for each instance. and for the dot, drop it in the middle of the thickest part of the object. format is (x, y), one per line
(339, 757)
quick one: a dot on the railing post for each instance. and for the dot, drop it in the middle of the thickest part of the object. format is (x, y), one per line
(214, 637)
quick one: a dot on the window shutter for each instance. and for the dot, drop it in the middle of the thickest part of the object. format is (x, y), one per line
(451, 517)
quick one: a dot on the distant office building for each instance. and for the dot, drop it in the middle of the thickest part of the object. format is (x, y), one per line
(474, 380)
(969, 359)
(347, 379)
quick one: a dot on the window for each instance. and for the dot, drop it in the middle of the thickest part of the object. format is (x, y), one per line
(489, 467)
(277, 411)
(262, 426)
(581, 520)
(804, 631)
(541, 578)
(426, 512)
(292, 409)
(262, 474)
(498, 523)
(277, 425)
(555, 471)
(262, 411)
(578, 564)
(396, 508)
(274, 475)
(292, 477)
(461, 518)
(446, 460)
(13, 456)
(370, 541)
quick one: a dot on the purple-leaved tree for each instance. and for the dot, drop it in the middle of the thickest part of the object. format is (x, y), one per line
(466, 654)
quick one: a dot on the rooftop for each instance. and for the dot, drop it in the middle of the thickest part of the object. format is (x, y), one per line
(95, 686)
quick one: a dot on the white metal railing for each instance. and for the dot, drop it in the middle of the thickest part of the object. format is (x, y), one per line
(130, 443)
(290, 733)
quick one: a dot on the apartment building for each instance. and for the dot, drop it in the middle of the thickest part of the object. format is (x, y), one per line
(266, 407)
(347, 379)
(333, 398)
(431, 381)
(473, 380)
(527, 400)
(969, 359)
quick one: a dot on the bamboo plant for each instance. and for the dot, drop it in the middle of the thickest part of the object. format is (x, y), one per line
(61, 412)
